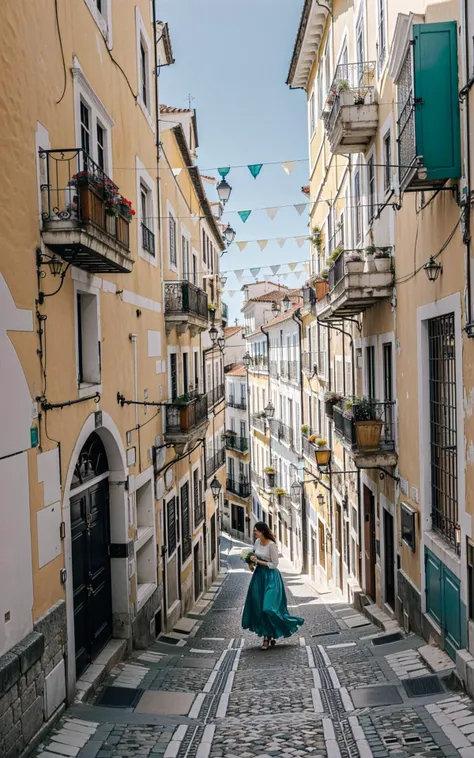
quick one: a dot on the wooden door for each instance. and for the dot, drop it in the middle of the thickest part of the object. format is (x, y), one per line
(369, 542)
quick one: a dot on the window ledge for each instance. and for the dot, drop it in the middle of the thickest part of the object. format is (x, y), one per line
(144, 535)
(144, 593)
(85, 389)
(100, 21)
(146, 113)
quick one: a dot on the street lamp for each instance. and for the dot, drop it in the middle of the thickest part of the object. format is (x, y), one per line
(229, 234)
(223, 280)
(323, 458)
(223, 190)
(321, 499)
(247, 360)
(213, 335)
(432, 269)
(216, 487)
(286, 303)
(269, 410)
(221, 343)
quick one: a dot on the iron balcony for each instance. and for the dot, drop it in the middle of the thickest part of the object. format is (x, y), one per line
(382, 452)
(185, 418)
(185, 307)
(215, 462)
(351, 114)
(239, 487)
(241, 404)
(239, 444)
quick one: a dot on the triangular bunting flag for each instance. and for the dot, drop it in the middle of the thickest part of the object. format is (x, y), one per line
(281, 241)
(255, 169)
(239, 275)
(176, 171)
(262, 244)
(300, 208)
(244, 215)
(224, 171)
(255, 272)
(288, 166)
(300, 241)
(272, 212)
(231, 293)
(298, 274)
(292, 266)
(274, 269)
(306, 267)
(241, 245)
(284, 276)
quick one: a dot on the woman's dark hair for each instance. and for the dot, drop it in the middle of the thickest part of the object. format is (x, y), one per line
(264, 529)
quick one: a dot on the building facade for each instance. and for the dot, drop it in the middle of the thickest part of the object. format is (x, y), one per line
(387, 309)
(103, 422)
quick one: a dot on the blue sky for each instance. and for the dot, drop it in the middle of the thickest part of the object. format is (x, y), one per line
(233, 57)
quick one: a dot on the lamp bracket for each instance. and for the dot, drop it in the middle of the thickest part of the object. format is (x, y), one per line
(122, 401)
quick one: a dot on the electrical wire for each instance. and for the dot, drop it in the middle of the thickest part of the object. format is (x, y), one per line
(408, 277)
(140, 426)
(58, 29)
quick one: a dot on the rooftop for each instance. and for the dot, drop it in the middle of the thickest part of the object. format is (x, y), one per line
(238, 370)
(276, 295)
(229, 331)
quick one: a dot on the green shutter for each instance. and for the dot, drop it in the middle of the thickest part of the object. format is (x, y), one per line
(436, 91)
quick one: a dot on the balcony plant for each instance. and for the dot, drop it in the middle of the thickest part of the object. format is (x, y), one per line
(305, 430)
(354, 263)
(331, 399)
(125, 208)
(383, 259)
(316, 239)
(368, 426)
(312, 438)
(269, 472)
(321, 285)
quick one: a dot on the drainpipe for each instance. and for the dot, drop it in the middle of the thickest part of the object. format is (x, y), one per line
(267, 337)
(133, 338)
(297, 319)
(464, 97)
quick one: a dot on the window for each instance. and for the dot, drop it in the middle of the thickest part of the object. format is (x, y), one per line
(443, 426)
(172, 241)
(213, 537)
(88, 343)
(185, 373)
(357, 210)
(185, 522)
(185, 257)
(171, 525)
(370, 370)
(204, 246)
(99, 5)
(387, 371)
(371, 187)
(174, 375)
(408, 526)
(381, 41)
(144, 74)
(321, 545)
(387, 160)
(341, 240)
(470, 577)
(360, 45)
(144, 203)
(312, 114)
(196, 371)
(85, 128)
(101, 146)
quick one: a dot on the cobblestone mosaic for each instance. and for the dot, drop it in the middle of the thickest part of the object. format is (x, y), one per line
(299, 736)
(402, 735)
(180, 680)
(359, 674)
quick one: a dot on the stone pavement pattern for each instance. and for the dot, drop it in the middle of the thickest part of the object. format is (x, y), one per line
(208, 691)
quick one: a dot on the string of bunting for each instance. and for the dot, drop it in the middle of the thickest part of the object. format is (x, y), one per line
(281, 241)
(275, 270)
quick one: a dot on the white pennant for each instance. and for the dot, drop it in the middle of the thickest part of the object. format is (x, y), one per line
(272, 212)
(231, 292)
(281, 241)
(298, 274)
(239, 275)
(292, 266)
(306, 267)
(241, 245)
(300, 208)
(176, 171)
(300, 241)
(262, 244)
(288, 166)
(274, 269)
(284, 276)
(255, 272)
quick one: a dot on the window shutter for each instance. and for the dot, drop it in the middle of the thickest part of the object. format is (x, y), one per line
(436, 83)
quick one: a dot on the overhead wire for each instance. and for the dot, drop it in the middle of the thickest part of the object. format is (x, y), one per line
(58, 29)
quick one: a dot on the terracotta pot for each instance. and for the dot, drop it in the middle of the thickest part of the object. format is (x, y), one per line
(322, 289)
(368, 434)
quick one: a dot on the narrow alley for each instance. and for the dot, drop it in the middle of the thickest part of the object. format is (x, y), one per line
(341, 690)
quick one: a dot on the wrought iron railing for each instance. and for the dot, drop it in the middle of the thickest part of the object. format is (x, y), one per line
(259, 363)
(184, 297)
(309, 296)
(308, 449)
(337, 270)
(259, 422)
(284, 501)
(234, 403)
(215, 462)
(344, 422)
(183, 415)
(284, 370)
(322, 361)
(353, 84)
(239, 487)
(293, 371)
(258, 480)
(309, 362)
(216, 395)
(274, 369)
(225, 312)
(148, 240)
(199, 511)
(344, 426)
(78, 191)
(281, 432)
(240, 444)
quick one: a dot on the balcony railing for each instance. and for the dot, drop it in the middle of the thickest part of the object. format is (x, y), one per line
(241, 403)
(345, 423)
(293, 371)
(239, 487)
(225, 312)
(284, 501)
(281, 432)
(308, 449)
(350, 129)
(148, 240)
(259, 423)
(215, 462)
(183, 415)
(309, 362)
(85, 218)
(259, 363)
(185, 298)
(309, 297)
(216, 395)
(240, 444)
(199, 511)
(274, 369)
(258, 480)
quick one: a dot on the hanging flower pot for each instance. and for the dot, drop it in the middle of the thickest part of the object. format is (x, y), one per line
(368, 427)
(331, 399)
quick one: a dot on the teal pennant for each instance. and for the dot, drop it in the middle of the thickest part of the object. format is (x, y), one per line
(244, 215)
(224, 171)
(255, 169)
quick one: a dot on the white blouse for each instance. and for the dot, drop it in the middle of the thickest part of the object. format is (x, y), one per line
(268, 553)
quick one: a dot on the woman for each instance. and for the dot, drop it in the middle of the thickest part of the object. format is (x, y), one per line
(265, 610)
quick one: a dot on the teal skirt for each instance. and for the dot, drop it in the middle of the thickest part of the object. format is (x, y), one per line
(266, 610)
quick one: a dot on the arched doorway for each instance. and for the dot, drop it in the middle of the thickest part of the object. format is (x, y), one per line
(90, 535)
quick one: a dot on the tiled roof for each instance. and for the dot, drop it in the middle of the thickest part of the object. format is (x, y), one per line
(229, 331)
(276, 295)
(209, 178)
(238, 370)
(170, 109)
(283, 316)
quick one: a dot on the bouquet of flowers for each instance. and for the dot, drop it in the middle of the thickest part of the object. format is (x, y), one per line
(246, 555)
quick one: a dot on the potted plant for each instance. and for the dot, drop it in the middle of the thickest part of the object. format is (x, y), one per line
(305, 430)
(125, 208)
(359, 98)
(344, 91)
(354, 263)
(312, 438)
(280, 493)
(383, 259)
(331, 399)
(335, 254)
(368, 427)
(316, 238)
(321, 285)
(269, 472)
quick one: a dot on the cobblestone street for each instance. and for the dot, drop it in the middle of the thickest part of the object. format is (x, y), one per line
(329, 693)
